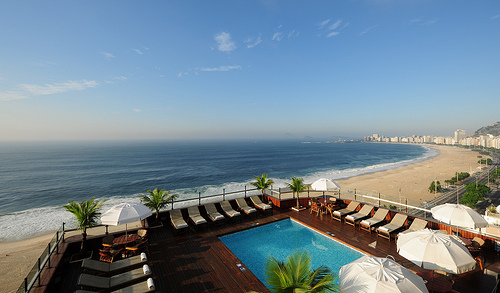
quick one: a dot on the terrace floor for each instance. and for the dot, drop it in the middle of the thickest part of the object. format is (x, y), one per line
(197, 261)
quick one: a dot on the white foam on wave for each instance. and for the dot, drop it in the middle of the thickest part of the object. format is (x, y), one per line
(34, 222)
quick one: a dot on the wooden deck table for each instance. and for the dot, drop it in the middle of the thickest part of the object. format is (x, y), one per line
(125, 239)
(435, 282)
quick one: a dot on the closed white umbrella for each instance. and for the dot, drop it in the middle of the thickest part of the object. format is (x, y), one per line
(435, 250)
(125, 213)
(370, 274)
(458, 215)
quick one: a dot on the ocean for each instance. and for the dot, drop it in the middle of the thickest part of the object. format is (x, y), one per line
(36, 179)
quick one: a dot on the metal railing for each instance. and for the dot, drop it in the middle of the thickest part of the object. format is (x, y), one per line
(43, 260)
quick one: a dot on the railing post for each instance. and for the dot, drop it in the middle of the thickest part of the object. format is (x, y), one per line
(406, 206)
(38, 274)
(48, 256)
(308, 192)
(63, 232)
(245, 191)
(279, 193)
(57, 242)
(379, 199)
(25, 284)
(199, 198)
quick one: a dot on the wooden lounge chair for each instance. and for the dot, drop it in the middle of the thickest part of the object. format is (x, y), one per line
(145, 286)
(396, 224)
(374, 221)
(213, 214)
(364, 213)
(113, 281)
(177, 220)
(243, 206)
(228, 209)
(259, 204)
(109, 268)
(195, 217)
(417, 224)
(350, 209)
(137, 248)
(108, 255)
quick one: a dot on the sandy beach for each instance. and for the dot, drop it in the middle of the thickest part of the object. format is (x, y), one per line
(17, 258)
(414, 180)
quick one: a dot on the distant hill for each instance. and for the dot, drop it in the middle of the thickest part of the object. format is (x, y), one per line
(493, 129)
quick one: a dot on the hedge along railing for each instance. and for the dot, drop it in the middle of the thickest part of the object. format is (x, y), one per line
(42, 261)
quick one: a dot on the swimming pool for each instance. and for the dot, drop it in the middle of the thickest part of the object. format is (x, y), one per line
(282, 238)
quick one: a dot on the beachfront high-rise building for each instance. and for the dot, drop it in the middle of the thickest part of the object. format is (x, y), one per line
(459, 135)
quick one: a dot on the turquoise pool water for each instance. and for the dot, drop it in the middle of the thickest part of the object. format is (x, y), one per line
(282, 238)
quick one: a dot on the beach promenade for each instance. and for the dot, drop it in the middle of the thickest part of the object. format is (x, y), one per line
(17, 258)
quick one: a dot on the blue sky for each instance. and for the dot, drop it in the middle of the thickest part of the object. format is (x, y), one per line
(86, 70)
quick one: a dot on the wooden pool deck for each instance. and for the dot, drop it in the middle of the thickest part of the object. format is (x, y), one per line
(197, 261)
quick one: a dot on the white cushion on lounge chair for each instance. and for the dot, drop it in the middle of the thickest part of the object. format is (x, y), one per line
(350, 217)
(244, 206)
(194, 215)
(177, 219)
(384, 228)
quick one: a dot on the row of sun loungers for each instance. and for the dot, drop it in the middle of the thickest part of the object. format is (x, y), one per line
(363, 219)
(214, 215)
(120, 276)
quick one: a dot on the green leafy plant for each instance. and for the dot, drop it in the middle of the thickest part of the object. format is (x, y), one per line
(86, 213)
(157, 199)
(262, 183)
(297, 186)
(295, 275)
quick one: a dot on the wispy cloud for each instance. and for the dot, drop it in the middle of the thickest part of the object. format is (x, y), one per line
(293, 34)
(323, 23)
(9, 96)
(368, 29)
(252, 42)
(138, 51)
(421, 21)
(221, 68)
(116, 79)
(43, 63)
(107, 55)
(331, 29)
(26, 90)
(225, 43)
(56, 88)
(137, 110)
(277, 36)
(496, 16)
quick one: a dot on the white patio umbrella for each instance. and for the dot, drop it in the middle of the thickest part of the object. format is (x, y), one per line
(458, 215)
(370, 274)
(435, 250)
(324, 184)
(125, 213)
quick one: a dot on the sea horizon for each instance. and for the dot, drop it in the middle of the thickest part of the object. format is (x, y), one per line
(40, 178)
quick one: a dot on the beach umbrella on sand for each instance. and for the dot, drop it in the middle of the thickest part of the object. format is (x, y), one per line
(324, 184)
(435, 250)
(458, 215)
(125, 213)
(378, 274)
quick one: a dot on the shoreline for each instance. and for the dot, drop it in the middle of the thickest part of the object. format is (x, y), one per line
(18, 257)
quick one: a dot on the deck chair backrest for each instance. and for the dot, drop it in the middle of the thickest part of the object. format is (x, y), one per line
(225, 205)
(175, 214)
(380, 214)
(255, 199)
(211, 209)
(241, 202)
(418, 224)
(366, 210)
(193, 211)
(399, 219)
(352, 205)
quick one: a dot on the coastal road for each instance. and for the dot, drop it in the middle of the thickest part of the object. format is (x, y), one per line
(493, 197)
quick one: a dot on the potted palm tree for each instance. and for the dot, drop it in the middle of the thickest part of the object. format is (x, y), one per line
(155, 200)
(262, 183)
(297, 186)
(295, 275)
(86, 213)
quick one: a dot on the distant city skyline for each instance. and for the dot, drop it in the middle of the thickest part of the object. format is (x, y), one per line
(130, 70)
